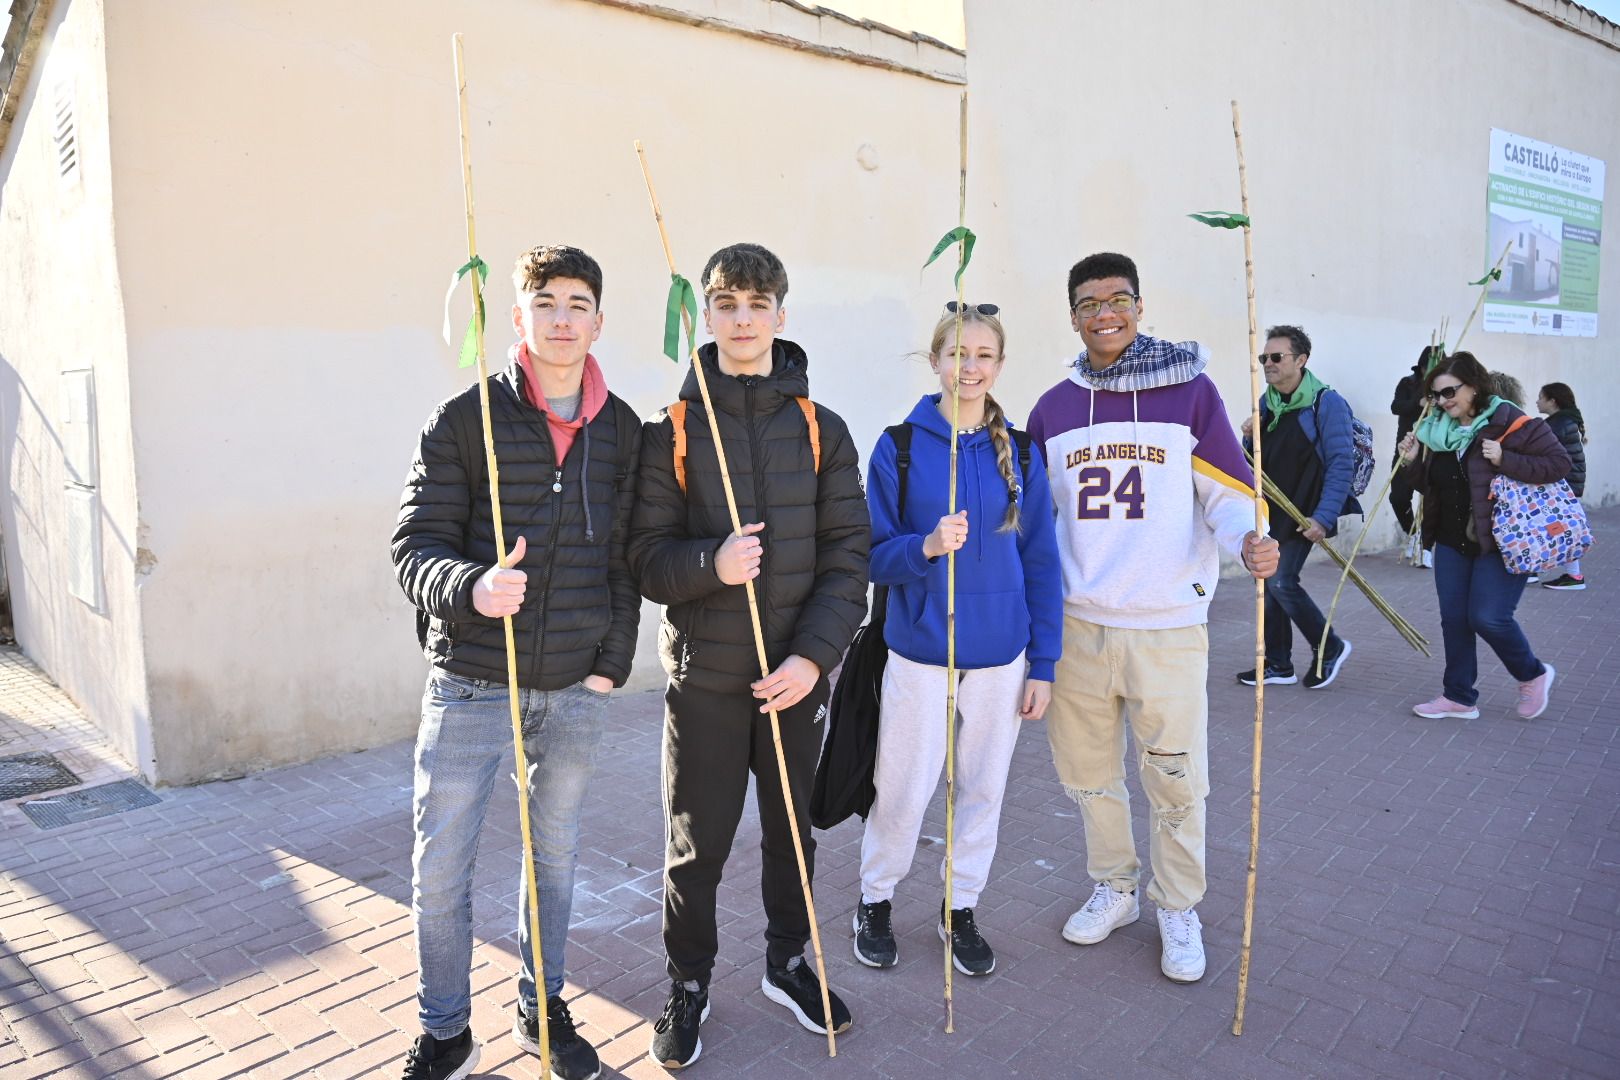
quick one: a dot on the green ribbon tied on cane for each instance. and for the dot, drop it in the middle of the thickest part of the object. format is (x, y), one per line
(1494, 275)
(475, 325)
(961, 234)
(1221, 219)
(682, 300)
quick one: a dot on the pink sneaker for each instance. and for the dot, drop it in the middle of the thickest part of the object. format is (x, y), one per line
(1443, 708)
(1533, 694)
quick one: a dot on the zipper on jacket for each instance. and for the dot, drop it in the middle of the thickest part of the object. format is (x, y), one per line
(749, 384)
(545, 577)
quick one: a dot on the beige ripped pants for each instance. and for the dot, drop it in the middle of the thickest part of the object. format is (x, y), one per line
(1154, 681)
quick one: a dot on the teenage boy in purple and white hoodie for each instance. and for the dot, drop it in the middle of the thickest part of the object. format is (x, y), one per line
(1150, 485)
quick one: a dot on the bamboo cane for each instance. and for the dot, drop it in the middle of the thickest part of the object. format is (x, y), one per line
(950, 586)
(519, 757)
(753, 614)
(1259, 585)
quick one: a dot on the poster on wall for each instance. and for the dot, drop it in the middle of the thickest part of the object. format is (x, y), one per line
(1545, 206)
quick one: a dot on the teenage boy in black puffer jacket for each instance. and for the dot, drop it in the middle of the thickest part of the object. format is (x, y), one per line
(804, 545)
(567, 452)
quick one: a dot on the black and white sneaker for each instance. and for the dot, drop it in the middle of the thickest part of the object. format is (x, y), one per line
(874, 936)
(1565, 583)
(797, 990)
(572, 1058)
(1330, 667)
(675, 1042)
(442, 1059)
(1280, 676)
(969, 951)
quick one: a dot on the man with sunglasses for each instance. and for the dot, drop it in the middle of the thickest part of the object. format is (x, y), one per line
(1151, 486)
(1310, 455)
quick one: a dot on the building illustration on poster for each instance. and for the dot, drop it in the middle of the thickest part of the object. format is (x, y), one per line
(1545, 210)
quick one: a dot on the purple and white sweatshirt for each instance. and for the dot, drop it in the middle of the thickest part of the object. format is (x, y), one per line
(1149, 482)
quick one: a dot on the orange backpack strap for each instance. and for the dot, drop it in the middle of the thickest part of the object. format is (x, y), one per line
(808, 407)
(677, 418)
(1515, 426)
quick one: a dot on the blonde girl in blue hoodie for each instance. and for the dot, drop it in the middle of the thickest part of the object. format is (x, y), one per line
(1009, 630)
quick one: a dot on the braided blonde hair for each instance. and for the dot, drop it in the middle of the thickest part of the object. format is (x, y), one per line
(995, 418)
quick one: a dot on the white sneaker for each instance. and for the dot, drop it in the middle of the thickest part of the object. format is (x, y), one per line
(1105, 911)
(1182, 936)
(1428, 558)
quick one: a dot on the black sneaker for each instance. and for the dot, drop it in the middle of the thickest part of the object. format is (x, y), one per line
(442, 1059)
(969, 951)
(572, 1058)
(874, 938)
(797, 989)
(1330, 667)
(1281, 676)
(675, 1041)
(1565, 583)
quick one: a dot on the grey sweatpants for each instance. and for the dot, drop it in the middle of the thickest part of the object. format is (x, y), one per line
(911, 758)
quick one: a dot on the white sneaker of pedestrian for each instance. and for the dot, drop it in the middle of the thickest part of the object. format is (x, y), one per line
(1182, 937)
(1428, 558)
(1101, 915)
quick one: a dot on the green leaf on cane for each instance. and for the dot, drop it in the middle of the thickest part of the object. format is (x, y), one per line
(1221, 219)
(1494, 275)
(681, 300)
(961, 234)
(475, 325)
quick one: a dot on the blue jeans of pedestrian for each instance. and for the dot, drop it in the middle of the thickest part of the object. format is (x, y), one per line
(1477, 599)
(1289, 605)
(463, 745)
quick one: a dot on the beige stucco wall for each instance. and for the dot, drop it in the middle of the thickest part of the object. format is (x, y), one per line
(61, 306)
(289, 212)
(1367, 131)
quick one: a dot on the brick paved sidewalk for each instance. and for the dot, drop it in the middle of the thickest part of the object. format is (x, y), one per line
(1436, 899)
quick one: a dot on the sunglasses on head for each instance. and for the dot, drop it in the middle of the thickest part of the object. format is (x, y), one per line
(954, 308)
(1444, 393)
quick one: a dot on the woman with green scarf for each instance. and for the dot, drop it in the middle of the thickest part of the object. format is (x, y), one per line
(1464, 442)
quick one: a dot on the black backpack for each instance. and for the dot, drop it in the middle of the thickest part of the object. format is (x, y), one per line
(844, 776)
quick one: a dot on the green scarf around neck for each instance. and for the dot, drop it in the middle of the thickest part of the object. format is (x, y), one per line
(1438, 431)
(1303, 397)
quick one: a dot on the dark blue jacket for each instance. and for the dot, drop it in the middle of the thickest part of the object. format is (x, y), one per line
(1335, 448)
(1009, 585)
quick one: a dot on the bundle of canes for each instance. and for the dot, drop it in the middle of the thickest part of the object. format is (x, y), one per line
(1276, 496)
(753, 600)
(475, 266)
(1494, 274)
(1259, 585)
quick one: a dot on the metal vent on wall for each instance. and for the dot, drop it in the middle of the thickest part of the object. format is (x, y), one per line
(65, 134)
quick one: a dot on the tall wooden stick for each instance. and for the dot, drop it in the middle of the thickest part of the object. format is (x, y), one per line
(753, 614)
(1259, 585)
(520, 759)
(950, 586)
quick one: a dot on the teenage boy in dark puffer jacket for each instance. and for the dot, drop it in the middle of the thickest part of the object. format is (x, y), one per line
(567, 452)
(796, 475)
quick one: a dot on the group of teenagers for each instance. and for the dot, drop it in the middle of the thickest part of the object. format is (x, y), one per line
(1087, 552)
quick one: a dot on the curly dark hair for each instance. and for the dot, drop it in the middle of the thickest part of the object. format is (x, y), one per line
(540, 264)
(1298, 340)
(1104, 264)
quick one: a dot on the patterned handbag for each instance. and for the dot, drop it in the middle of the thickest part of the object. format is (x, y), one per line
(1537, 526)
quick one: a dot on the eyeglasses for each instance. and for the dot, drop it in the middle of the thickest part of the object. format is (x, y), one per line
(1444, 393)
(1275, 357)
(978, 309)
(1119, 303)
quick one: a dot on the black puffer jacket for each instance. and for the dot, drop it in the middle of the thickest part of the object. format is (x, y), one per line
(1566, 424)
(581, 606)
(812, 582)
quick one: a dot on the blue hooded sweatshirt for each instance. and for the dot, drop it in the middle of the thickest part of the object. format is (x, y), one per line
(1009, 585)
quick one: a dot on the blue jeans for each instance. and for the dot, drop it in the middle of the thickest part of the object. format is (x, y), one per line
(463, 744)
(1477, 600)
(1289, 605)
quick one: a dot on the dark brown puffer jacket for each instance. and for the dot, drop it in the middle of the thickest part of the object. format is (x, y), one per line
(1532, 454)
(581, 608)
(813, 576)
